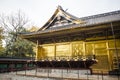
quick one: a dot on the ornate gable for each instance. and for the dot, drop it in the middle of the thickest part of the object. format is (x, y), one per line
(60, 18)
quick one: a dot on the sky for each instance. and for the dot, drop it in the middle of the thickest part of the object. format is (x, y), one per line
(39, 11)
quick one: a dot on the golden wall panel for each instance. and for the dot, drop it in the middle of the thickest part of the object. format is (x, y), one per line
(113, 52)
(89, 49)
(104, 51)
(101, 52)
(112, 43)
(39, 52)
(48, 51)
(103, 63)
(63, 50)
(100, 49)
(100, 44)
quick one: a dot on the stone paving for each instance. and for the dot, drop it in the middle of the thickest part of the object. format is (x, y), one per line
(47, 74)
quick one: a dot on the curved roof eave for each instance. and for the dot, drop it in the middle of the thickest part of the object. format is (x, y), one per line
(57, 11)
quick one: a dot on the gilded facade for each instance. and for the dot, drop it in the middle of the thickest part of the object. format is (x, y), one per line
(65, 36)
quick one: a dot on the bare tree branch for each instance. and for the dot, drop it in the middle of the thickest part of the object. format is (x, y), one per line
(13, 23)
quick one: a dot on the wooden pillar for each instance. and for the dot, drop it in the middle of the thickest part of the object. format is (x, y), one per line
(93, 49)
(54, 51)
(70, 49)
(115, 44)
(37, 51)
(109, 57)
(84, 48)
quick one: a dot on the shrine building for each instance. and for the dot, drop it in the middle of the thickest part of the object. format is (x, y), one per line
(66, 37)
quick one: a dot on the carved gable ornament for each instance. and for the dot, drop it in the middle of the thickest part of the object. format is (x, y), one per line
(61, 18)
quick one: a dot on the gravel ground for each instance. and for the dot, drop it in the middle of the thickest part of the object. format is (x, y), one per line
(43, 74)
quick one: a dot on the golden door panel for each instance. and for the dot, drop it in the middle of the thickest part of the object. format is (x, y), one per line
(77, 49)
(48, 51)
(112, 43)
(99, 48)
(114, 53)
(39, 55)
(102, 57)
(63, 50)
(89, 49)
(103, 63)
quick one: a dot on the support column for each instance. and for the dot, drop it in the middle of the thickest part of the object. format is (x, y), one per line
(115, 44)
(70, 49)
(93, 49)
(109, 57)
(37, 51)
(84, 48)
(54, 51)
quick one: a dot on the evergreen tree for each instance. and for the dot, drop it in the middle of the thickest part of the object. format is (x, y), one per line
(1, 38)
(15, 46)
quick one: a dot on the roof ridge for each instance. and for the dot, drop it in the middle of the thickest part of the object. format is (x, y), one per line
(59, 12)
(101, 15)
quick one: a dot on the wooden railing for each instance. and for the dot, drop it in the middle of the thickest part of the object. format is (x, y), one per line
(67, 58)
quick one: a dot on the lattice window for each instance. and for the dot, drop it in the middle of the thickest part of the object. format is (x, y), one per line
(77, 49)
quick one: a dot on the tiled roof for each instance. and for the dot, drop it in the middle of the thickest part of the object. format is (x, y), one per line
(102, 18)
(89, 21)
